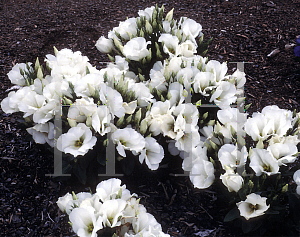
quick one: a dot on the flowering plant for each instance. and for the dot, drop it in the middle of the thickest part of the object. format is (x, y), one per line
(150, 96)
(111, 211)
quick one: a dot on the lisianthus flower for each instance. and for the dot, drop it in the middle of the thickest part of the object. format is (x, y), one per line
(198, 152)
(42, 133)
(136, 49)
(15, 75)
(187, 49)
(230, 156)
(101, 120)
(158, 79)
(190, 27)
(203, 83)
(202, 173)
(258, 127)
(88, 84)
(232, 180)
(170, 44)
(63, 201)
(219, 70)
(104, 45)
(147, 12)
(125, 29)
(284, 153)
(128, 139)
(153, 153)
(77, 141)
(112, 212)
(262, 161)
(84, 222)
(31, 103)
(111, 188)
(224, 95)
(253, 206)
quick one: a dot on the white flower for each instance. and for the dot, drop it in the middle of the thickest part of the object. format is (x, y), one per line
(31, 103)
(111, 188)
(204, 82)
(77, 141)
(253, 206)
(230, 156)
(45, 113)
(15, 75)
(224, 95)
(239, 78)
(88, 84)
(170, 44)
(112, 99)
(63, 201)
(130, 107)
(153, 153)
(128, 139)
(231, 180)
(125, 29)
(136, 49)
(198, 152)
(191, 28)
(144, 222)
(147, 12)
(42, 133)
(158, 80)
(202, 173)
(104, 45)
(82, 109)
(284, 153)
(142, 93)
(84, 222)
(177, 93)
(219, 70)
(296, 178)
(187, 49)
(112, 211)
(101, 120)
(258, 127)
(262, 161)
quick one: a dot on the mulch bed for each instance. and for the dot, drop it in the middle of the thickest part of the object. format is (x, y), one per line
(243, 31)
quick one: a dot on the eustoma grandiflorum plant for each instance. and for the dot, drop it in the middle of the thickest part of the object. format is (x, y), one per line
(111, 211)
(141, 111)
(261, 172)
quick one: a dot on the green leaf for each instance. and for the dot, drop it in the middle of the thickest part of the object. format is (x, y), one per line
(232, 215)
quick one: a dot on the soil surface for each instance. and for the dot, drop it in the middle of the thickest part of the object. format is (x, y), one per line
(243, 31)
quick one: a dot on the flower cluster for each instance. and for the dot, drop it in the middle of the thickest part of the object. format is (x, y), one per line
(112, 209)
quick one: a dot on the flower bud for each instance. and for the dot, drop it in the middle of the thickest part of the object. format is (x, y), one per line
(37, 64)
(137, 117)
(148, 27)
(40, 73)
(120, 121)
(55, 51)
(143, 127)
(285, 188)
(88, 121)
(169, 16)
(104, 45)
(72, 122)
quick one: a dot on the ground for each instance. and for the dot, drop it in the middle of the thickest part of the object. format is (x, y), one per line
(243, 31)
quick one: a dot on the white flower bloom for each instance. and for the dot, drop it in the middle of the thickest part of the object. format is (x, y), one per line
(109, 189)
(284, 153)
(45, 113)
(130, 107)
(82, 109)
(101, 120)
(31, 103)
(142, 93)
(188, 140)
(15, 75)
(177, 93)
(136, 49)
(202, 173)
(153, 153)
(57, 88)
(262, 161)
(128, 139)
(230, 156)
(219, 70)
(174, 65)
(198, 152)
(84, 222)
(147, 12)
(231, 180)
(204, 82)
(42, 133)
(170, 44)
(125, 29)
(88, 84)
(77, 141)
(187, 49)
(191, 28)
(253, 206)
(112, 211)
(158, 79)
(239, 78)
(63, 201)
(112, 99)
(294, 140)
(68, 64)
(104, 45)
(224, 95)
(258, 127)
(144, 222)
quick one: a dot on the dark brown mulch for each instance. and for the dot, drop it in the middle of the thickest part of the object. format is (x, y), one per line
(245, 30)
